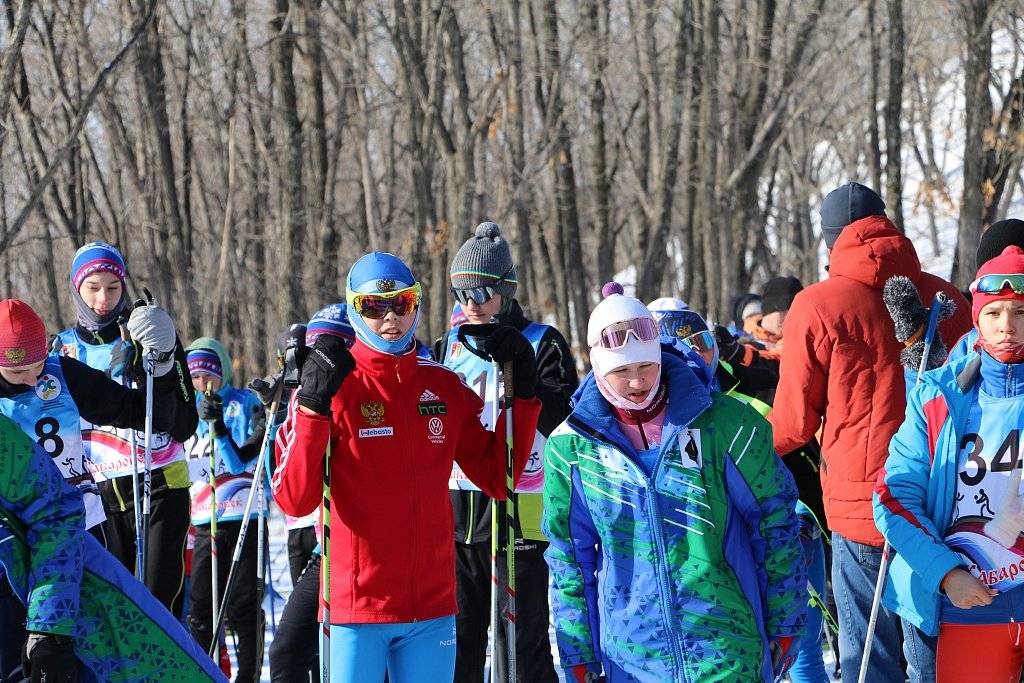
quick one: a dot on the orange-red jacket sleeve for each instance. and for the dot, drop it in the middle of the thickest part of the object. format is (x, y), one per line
(800, 399)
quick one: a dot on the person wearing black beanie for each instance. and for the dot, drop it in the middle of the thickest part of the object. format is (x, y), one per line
(847, 204)
(776, 298)
(999, 235)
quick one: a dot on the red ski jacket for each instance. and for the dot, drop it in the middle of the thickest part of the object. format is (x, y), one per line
(841, 367)
(396, 425)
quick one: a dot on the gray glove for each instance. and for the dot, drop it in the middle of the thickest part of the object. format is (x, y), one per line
(151, 328)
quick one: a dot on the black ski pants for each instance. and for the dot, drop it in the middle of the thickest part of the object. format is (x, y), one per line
(168, 532)
(242, 610)
(295, 652)
(301, 543)
(473, 591)
(12, 633)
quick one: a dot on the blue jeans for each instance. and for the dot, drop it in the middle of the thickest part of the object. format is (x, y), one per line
(809, 666)
(420, 652)
(854, 573)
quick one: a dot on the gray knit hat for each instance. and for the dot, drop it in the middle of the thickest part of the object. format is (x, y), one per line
(485, 260)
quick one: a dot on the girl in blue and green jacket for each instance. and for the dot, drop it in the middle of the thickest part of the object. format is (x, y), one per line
(88, 619)
(948, 498)
(674, 549)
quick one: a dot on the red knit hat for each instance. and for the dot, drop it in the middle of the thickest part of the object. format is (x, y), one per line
(22, 335)
(1010, 262)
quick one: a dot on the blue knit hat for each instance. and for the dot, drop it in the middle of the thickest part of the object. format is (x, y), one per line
(96, 257)
(205, 360)
(331, 319)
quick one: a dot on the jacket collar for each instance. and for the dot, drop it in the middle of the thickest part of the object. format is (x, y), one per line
(1001, 380)
(513, 315)
(377, 363)
(104, 335)
(688, 397)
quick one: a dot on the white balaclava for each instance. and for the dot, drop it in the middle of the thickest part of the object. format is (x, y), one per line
(615, 308)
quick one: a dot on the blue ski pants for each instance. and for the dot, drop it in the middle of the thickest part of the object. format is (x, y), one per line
(417, 652)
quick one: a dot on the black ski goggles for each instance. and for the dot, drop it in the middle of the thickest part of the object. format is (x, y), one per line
(478, 295)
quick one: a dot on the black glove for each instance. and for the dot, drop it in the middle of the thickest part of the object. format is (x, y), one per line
(211, 409)
(323, 371)
(728, 347)
(49, 659)
(266, 387)
(506, 344)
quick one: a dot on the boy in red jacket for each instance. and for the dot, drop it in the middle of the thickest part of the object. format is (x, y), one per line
(394, 423)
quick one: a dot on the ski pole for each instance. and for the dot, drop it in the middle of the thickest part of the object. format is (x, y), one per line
(149, 363)
(325, 576)
(261, 624)
(214, 587)
(883, 567)
(497, 510)
(255, 493)
(140, 571)
(510, 523)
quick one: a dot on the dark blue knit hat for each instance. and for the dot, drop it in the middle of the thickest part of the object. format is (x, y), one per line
(846, 204)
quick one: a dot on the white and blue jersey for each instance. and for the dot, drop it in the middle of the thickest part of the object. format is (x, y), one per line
(479, 375)
(48, 414)
(234, 476)
(108, 450)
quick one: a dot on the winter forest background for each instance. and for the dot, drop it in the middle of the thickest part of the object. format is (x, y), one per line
(242, 153)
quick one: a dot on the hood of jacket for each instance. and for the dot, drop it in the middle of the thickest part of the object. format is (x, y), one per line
(871, 251)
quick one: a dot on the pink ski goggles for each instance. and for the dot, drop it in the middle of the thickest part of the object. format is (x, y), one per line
(616, 336)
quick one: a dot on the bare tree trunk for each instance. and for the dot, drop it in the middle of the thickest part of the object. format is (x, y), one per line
(977, 114)
(292, 227)
(653, 265)
(596, 16)
(18, 23)
(874, 143)
(893, 114)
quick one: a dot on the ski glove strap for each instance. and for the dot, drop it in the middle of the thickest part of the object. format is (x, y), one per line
(323, 371)
(49, 658)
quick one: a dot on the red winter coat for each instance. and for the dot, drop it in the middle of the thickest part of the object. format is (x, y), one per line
(841, 365)
(396, 424)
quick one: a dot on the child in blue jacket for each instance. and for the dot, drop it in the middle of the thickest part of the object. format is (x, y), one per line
(948, 499)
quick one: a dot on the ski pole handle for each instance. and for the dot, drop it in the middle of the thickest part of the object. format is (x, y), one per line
(477, 331)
